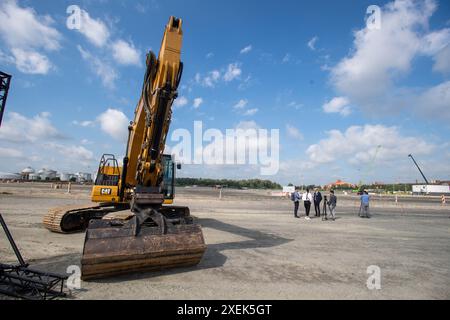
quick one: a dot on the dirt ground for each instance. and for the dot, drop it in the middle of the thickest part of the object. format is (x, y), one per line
(256, 249)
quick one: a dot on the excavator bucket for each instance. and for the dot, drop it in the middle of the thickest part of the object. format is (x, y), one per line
(115, 247)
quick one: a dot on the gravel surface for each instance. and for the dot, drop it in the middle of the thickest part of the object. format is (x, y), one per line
(256, 249)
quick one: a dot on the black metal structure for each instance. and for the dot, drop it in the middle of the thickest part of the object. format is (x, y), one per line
(424, 178)
(5, 80)
(23, 282)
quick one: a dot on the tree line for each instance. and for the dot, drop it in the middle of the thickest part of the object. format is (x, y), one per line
(228, 183)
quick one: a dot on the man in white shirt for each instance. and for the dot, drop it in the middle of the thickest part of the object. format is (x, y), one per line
(307, 200)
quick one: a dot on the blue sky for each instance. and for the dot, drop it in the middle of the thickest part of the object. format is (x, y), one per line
(312, 69)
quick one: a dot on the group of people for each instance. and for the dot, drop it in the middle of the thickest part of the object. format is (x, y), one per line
(316, 199)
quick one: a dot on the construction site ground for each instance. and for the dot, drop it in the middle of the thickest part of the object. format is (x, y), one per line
(256, 248)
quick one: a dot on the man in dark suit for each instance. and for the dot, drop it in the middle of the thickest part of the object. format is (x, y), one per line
(317, 200)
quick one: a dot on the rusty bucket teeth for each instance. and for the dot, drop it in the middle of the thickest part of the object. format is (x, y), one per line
(114, 247)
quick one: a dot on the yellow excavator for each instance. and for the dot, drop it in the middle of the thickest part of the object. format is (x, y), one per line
(135, 227)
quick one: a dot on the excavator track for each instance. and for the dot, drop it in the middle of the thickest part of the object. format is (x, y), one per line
(69, 219)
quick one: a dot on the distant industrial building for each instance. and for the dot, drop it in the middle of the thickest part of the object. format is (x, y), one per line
(64, 176)
(44, 174)
(10, 176)
(84, 177)
(34, 177)
(47, 174)
(26, 173)
(441, 182)
(339, 184)
(431, 189)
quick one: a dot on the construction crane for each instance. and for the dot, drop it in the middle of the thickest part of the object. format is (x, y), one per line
(153, 234)
(424, 178)
(5, 80)
(369, 167)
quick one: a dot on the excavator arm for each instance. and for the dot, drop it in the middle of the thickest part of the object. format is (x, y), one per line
(153, 113)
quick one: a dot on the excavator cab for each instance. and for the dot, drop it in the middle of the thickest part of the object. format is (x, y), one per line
(106, 187)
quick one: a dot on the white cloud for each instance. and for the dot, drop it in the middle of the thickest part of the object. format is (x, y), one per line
(209, 80)
(367, 72)
(86, 141)
(240, 104)
(442, 61)
(6, 59)
(86, 123)
(368, 76)
(24, 28)
(141, 8)
(115, 123)
(212, 78)
(251, 112)
(35, 141)
(434, 102)
(246, 83)
(31, 62)
(95, 30)
(125, 53)
(102, 69)
(337, 105)
(26, 34)
(247, 49)
(244, 125)
(435, 41)
(47, 154)
(209, 55)
(294, 104)
(197, 102)
(286, 58)
(19, 129)
(358, 144)
(233, 72)
(75, 152)
(312, 43)
(293, 132)
(10, 153)
(180, 102)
